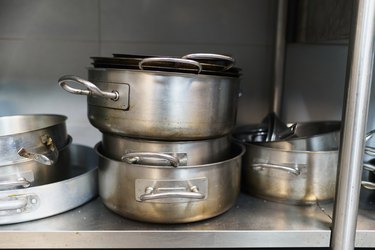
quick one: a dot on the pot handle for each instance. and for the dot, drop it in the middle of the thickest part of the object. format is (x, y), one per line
(20, 182)
(136, 157)
(369, 135)
(261, 166)
(13, 204)
(369, 167)
(370, 151)
(368, 185)
(151, 195)
(46, 159)
(170, 59)
(211, 56)
(91, 89)
(16, 204)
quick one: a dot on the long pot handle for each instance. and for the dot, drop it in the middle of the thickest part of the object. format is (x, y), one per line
(91, 89)
(137, 157)
(170, 59)
(368, 185)
(48, 159)
(369, 135)
(261, 166)
(370, 151)
(211, 56)
(192, 194)
(14, 204)
(369, 167)
(20, 182)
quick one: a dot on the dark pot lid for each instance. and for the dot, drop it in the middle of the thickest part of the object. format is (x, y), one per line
(202, 65)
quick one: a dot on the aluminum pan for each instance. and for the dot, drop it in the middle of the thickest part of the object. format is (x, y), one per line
(58, 197)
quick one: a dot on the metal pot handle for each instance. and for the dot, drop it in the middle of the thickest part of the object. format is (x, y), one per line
(170, 59)
(136, 157)
(16, 204)
(261, 166)
(211, 56)
(369, 167)
(20, 182)
(150, 195)
(46, 159)
(368, 185)
(91, 89)
(369, 135)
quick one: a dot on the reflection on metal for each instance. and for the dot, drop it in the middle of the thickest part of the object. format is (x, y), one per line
(359, 76)
(278, 70)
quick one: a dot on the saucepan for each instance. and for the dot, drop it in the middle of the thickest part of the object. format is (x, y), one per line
(175, 153)
(167, 194)
(159, 105)
(294, 177)
(37, 137)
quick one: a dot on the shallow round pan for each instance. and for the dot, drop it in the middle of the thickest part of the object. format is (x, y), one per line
(42, 201)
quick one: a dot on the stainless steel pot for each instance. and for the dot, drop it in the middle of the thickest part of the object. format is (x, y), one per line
(308, 136)
(157, 104)
(369, 183)
(167, 194)
(77, 186)
(30, 173)
(296, 177)
(36, 137)
(175, 153)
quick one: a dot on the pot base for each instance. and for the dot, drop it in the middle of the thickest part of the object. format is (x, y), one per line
(289, 201)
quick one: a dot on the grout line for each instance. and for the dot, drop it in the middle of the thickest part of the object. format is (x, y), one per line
(99, 29)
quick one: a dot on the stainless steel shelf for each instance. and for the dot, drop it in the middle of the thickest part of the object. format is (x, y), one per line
(250, 223)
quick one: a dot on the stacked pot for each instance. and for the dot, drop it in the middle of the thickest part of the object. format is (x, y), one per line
(166, 154)
(368, 176)
(37, 166)
(298, 169)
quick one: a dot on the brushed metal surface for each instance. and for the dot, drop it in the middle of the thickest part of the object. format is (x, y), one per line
(251, 222)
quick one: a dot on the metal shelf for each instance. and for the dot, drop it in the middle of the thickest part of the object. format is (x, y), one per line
(251, 222)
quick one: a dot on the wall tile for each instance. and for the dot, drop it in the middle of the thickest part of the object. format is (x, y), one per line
(195, 21)
(68, 19)
(315, 82)
(30, 61)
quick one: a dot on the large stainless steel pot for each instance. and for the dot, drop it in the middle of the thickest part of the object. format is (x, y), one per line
(296, 177)
(175, 153)
(30, 173)
(36, 137)
(167, 194)
(157, 104)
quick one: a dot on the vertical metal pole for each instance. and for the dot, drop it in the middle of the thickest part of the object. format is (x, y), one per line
(358, 86)
(279, 56)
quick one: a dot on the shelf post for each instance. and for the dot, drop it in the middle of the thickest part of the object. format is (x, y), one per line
(355, 112)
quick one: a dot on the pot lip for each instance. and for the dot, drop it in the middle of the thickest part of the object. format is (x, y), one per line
(124, 139)
(165, 73)
(261, 147)
(305, 137)
(238, 155)
(56, 119)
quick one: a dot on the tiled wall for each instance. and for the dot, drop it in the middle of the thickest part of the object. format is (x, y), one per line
(41, 40)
